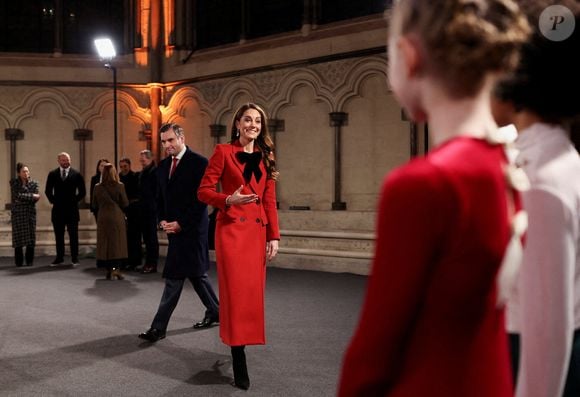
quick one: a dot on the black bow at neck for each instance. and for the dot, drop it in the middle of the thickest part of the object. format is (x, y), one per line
(252, 162)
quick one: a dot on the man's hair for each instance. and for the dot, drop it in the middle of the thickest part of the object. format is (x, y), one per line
(147, 153)
(172, 126)
(125, 160)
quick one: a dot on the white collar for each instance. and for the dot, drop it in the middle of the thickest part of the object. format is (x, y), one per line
(180, 154)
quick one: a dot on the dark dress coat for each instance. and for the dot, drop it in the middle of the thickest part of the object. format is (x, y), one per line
(240, 244)
(148, 190)
(65, 195)
(23, 212)
(109, 201)
(187, 253)
(94, 180)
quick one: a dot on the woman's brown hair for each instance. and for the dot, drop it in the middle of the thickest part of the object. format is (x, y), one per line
(109, 176)
(263, 141)
(464, 39)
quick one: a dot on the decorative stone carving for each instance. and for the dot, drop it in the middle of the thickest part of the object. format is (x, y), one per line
(140, 96)
(269, 82)
(80, 98)
(211, 90)
(334, 74)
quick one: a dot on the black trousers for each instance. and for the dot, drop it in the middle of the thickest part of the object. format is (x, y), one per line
(73, 234)
(572, 386)
(149, 232)
(133, 235)
(172, 292)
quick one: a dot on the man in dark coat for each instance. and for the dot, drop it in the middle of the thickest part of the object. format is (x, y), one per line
(185, 220)
(130, 179)
(65, 188)
(148, 191)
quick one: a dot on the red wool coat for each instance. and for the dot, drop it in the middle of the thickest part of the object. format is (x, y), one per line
(431, 325)
(240, 244)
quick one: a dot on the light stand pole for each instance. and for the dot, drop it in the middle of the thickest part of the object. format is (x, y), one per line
(114, 69)
(107, 52)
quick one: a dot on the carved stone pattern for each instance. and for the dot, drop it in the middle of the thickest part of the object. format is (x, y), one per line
(81, 98)
(268, 82)
(211, 90)
(334, 73)
(141, 97)
(13, 96)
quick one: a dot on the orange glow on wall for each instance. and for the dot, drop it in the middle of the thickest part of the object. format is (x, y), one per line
(144, 11)
(169, 24)
(156, 23)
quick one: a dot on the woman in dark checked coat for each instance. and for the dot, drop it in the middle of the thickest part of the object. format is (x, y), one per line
(24, 192)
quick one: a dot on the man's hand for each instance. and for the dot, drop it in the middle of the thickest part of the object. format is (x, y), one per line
(170, 227)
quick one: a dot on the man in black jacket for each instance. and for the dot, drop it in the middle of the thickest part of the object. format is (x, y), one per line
(65, 188)
(184, 218)
(148, 188)
(130, 179)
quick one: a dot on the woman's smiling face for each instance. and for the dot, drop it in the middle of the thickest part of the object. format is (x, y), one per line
(249, 125)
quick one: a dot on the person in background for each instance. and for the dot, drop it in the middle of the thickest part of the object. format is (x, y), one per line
(94, 180)
(148, 191)
(544, 310)
(110, 201)
(247, 231)
(65, 189)
(449, 224)
(131, 181)
(184, 219)
(24, 195)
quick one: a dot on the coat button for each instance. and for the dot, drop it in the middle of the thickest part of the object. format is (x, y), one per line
(242, 219)
(257, 220)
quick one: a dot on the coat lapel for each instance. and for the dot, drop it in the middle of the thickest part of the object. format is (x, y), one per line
(235, 149)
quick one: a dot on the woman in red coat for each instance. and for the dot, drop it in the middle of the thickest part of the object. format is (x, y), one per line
(433, 322)
(246, 230)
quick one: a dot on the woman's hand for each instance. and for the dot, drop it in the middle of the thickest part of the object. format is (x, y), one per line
(236, 198)
(271, 249)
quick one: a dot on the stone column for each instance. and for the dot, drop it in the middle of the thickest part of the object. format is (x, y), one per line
(13, 135)
(244, 21)
(426, 138)
(275, 126)
(82, 135)
(217, 131)
(146, 135)
(58, 28)
(155, 96)
(310, 16)
(413, 135)
(338, 120)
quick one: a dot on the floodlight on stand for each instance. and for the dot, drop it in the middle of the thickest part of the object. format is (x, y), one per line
(106, 51)
(105, 48)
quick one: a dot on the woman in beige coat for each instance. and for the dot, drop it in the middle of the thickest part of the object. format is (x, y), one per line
(109, 200)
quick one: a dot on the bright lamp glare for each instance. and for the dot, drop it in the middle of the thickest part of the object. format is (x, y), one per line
(105, 48)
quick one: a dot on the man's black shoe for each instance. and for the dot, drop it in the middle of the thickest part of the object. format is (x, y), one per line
(206, 322)
(57, 261)
(152, 335)
(149, 269)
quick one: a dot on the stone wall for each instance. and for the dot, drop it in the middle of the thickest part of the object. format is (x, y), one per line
(298, 93)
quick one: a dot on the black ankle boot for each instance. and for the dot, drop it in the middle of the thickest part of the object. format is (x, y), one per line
(18, 256)
(241, 378)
